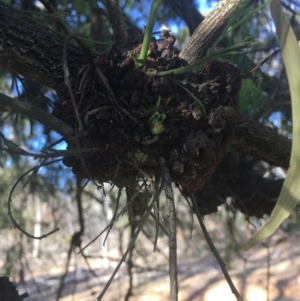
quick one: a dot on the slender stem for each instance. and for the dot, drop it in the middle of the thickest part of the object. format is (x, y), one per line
(115, 217)
(131, 244)
(52, 10)
(148, 33)
(15, 223)
(133, 222)
(215, 251)
(69, 85)
(172, 230)
(117, 23)
(8, 104)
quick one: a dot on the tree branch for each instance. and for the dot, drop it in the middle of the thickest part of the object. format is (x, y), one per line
(8, 104)
(117, 23)
(35, 53)
(260, 141)
(38, 55)
(208, 31)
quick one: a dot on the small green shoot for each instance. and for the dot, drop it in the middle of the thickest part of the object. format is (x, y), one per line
(156, 120)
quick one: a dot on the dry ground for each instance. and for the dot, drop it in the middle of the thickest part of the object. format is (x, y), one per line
(199, 279)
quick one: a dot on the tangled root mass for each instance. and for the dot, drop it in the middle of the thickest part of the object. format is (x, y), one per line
(129, 116)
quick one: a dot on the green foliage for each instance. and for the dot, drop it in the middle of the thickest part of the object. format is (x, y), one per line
(54, 184)
(250, 96)
(239, 17)
(182, 36)
(289, 195)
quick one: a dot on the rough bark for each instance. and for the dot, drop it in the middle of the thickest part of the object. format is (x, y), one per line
(241, 178)
(35, 53)
(208, 31)
(261, 142)
(38, 54)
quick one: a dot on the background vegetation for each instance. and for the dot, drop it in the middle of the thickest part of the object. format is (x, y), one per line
(235, 201)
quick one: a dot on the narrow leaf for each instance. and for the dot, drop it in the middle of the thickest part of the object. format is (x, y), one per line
(290, 193)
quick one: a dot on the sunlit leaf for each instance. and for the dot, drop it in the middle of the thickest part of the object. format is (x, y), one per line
(290, 192)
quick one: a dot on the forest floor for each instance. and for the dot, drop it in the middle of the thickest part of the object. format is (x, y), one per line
(199, 278)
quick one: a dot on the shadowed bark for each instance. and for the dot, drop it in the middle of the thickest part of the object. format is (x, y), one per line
(37, 54)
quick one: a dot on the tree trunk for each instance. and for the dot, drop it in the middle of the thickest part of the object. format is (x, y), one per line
(124, 115)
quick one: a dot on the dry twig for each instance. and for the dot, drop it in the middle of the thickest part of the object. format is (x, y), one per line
(215, 251)
(172, 229)
(15, 223)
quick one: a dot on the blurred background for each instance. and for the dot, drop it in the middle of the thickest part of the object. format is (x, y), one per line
(51, 196)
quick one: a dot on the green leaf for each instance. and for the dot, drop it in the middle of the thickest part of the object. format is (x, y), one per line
(290, 192)
(250, 96)
(148, 33)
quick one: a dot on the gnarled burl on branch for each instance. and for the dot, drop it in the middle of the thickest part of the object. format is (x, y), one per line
(130, 116)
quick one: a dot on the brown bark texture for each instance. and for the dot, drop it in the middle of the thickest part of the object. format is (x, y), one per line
(127, 116)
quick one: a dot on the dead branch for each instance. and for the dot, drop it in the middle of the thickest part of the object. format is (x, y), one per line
(172, 229)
